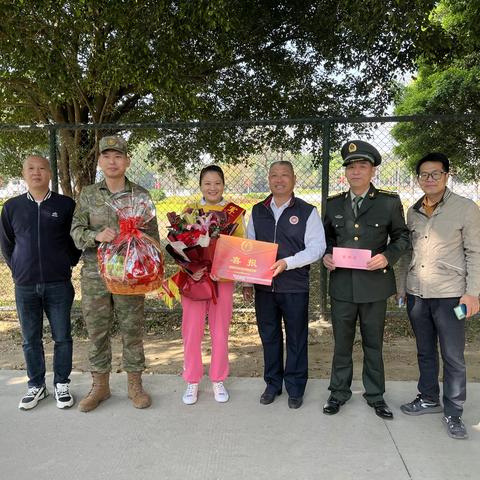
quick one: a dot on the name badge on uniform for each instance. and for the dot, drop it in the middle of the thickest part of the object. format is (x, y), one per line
(338, 216)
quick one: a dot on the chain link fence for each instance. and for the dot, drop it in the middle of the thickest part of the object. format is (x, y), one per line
(156, 163)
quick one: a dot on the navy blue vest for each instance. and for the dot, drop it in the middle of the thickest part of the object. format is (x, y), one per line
(289, 233)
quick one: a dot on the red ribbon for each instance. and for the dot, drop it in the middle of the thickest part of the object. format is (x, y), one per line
(129, 226)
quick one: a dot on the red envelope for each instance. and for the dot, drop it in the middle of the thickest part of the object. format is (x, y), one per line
(244, 260)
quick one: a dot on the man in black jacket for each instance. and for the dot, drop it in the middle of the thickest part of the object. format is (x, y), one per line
(36, 243)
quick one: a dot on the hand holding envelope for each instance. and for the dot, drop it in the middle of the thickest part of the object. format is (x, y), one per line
(356, 258)
(328, 262)
(377, 262)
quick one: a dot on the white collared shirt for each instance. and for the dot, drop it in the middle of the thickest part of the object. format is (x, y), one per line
(314, 237)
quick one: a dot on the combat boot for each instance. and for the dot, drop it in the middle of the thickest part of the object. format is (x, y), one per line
(140, 398)
(99, 392)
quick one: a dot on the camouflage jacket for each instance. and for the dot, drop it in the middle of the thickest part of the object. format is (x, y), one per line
(92, 215)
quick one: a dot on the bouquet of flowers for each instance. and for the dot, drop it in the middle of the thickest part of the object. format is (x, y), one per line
(192, 237)
(132, 264)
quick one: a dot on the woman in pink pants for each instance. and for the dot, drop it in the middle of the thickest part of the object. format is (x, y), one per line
(212, 183)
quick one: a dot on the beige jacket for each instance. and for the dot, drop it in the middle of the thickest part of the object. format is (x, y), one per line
(445, 261)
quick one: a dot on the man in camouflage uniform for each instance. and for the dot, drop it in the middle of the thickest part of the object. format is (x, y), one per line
(95, 222)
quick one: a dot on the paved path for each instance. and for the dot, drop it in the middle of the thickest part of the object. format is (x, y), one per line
(237, 440)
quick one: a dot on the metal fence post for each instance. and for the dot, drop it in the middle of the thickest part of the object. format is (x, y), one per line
(53, 157)
(325, 188)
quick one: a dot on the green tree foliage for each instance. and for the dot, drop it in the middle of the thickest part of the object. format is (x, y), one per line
(448, 83)
(116, 61)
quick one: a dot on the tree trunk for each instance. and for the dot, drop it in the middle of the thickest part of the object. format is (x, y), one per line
(78, 159)
(64, 171)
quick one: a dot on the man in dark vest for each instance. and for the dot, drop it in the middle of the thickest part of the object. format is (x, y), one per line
(371, 219)
(297, 229)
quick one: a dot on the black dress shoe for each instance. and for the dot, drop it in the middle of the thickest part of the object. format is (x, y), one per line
(295, 402)
(268, 397)
(332, 406)
(382, 409)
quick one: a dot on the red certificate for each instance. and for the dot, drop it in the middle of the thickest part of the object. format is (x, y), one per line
(351, 257)
(244, 260)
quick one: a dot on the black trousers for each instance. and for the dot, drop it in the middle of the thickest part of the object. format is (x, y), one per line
(271, 308)
(372, 322)
(433, 322)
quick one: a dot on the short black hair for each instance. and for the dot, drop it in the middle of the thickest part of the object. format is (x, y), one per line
(212, 168)
(434, 157)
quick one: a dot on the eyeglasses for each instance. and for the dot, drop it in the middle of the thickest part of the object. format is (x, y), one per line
(436, 175)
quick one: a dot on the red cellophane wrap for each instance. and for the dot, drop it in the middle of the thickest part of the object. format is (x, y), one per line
(192, 237)
(132, 264)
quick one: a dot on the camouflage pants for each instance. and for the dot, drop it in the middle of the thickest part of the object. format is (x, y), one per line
(99, 307)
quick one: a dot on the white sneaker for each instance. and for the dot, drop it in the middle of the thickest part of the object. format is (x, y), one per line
(63, 396)
(220, 392)
(191, 394)
(32, 397)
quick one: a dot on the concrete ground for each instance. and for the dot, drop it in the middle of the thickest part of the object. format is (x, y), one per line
(237, 440)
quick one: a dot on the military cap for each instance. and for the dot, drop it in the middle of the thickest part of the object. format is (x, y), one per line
(356, 150)
(113, 143)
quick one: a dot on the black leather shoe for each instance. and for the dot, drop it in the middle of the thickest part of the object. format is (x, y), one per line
(382, 409)
(332, 406)
(295, 402)
(268, 397)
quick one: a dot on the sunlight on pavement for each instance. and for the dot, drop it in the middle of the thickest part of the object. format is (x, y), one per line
(17, 380)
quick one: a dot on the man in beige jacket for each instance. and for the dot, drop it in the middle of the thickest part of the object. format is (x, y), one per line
(444, 272)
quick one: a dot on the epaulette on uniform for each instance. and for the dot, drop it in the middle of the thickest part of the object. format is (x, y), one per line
(388, 192)
(337, 195)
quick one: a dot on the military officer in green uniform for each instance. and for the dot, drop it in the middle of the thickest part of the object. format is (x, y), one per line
(366, 218)
(95, 222)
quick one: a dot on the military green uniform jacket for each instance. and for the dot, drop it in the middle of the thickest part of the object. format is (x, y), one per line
(379, 227)
(92, 214)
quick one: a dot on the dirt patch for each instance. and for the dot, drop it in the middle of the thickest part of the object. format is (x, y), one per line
(164, 352)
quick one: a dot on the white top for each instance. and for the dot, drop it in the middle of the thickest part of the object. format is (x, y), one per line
(314, 237)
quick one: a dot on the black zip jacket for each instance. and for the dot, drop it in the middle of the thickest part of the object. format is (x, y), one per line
(35, 238)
